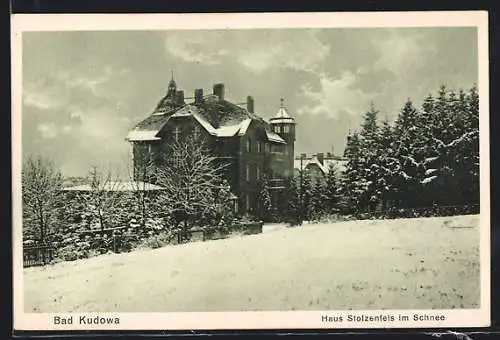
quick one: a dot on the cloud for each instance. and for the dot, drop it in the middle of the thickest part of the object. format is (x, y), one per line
(193, 48)
(397, 56)
(399, 51)
(47, 130)
(94, 83)
(299, 50)
(40, 97)
(79, 108)
(257, 50)
(335, 96)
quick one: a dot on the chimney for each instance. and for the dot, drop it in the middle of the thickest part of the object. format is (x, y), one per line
(198, 96)
(219, 91)
(179, 97)
(321, 157)
(250, 104)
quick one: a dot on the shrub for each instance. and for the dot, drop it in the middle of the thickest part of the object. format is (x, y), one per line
(70, 253)
(157, 241)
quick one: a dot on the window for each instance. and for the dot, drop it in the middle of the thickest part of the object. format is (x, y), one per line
(150, 152)
(248, 202)
(177, 133)
(266, 147)
(257, 175)
(259, 147)
(286, 128)
(277, 128)
(248, 145)
(247, 173)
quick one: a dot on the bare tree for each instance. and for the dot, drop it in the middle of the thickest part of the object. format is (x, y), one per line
(142, 192)
(192, 178)
(41, 189)
(102, 195)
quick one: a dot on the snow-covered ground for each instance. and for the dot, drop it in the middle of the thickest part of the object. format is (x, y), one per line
(382, 264)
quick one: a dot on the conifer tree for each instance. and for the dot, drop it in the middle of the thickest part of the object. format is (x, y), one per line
(406, 139)
(264, 201)
(388, 166)
(305, 195)
(351, 182)
(318, 199)
(292, 207)
(369, 152)
(331, 191)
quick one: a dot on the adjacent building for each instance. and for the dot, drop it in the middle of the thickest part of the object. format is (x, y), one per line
(253, 147)
(319, 165)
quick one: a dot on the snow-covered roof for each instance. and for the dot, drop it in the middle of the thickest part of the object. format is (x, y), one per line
(282, 113)
(228, 130)
(150, 127)
(273, 137)
(118, 186)
(282, 120)
(244, 126)
(223, 131)
(141, 135)
(282, 116)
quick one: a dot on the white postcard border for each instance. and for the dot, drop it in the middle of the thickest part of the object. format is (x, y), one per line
(250, 320)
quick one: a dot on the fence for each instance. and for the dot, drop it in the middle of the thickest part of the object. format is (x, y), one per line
(37, 255)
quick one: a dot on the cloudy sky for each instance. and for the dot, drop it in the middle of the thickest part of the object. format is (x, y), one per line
(82, 91)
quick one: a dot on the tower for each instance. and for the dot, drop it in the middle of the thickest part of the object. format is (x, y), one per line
(172, 87)
(284, 126)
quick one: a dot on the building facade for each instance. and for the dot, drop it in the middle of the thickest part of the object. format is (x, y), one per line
(253, 148)
(319, 165)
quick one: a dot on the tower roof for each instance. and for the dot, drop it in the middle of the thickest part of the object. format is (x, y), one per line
(172, 82)
(282, 115)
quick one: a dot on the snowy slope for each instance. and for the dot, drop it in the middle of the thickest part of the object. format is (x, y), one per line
(417, 263)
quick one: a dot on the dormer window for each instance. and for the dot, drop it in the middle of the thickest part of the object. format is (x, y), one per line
(286, 128)
(277, 128)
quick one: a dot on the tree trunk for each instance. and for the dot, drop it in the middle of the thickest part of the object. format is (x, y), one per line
(42, 228)
(143, 214)
(101, 222)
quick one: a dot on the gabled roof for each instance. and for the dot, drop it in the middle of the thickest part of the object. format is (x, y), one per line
(228, 131)
(152, 123)
(244, 127)
(229, 126)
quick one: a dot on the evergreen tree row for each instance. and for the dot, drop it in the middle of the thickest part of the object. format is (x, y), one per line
(428, 157)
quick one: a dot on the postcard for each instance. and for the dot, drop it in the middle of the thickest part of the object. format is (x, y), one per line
(250, 171)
